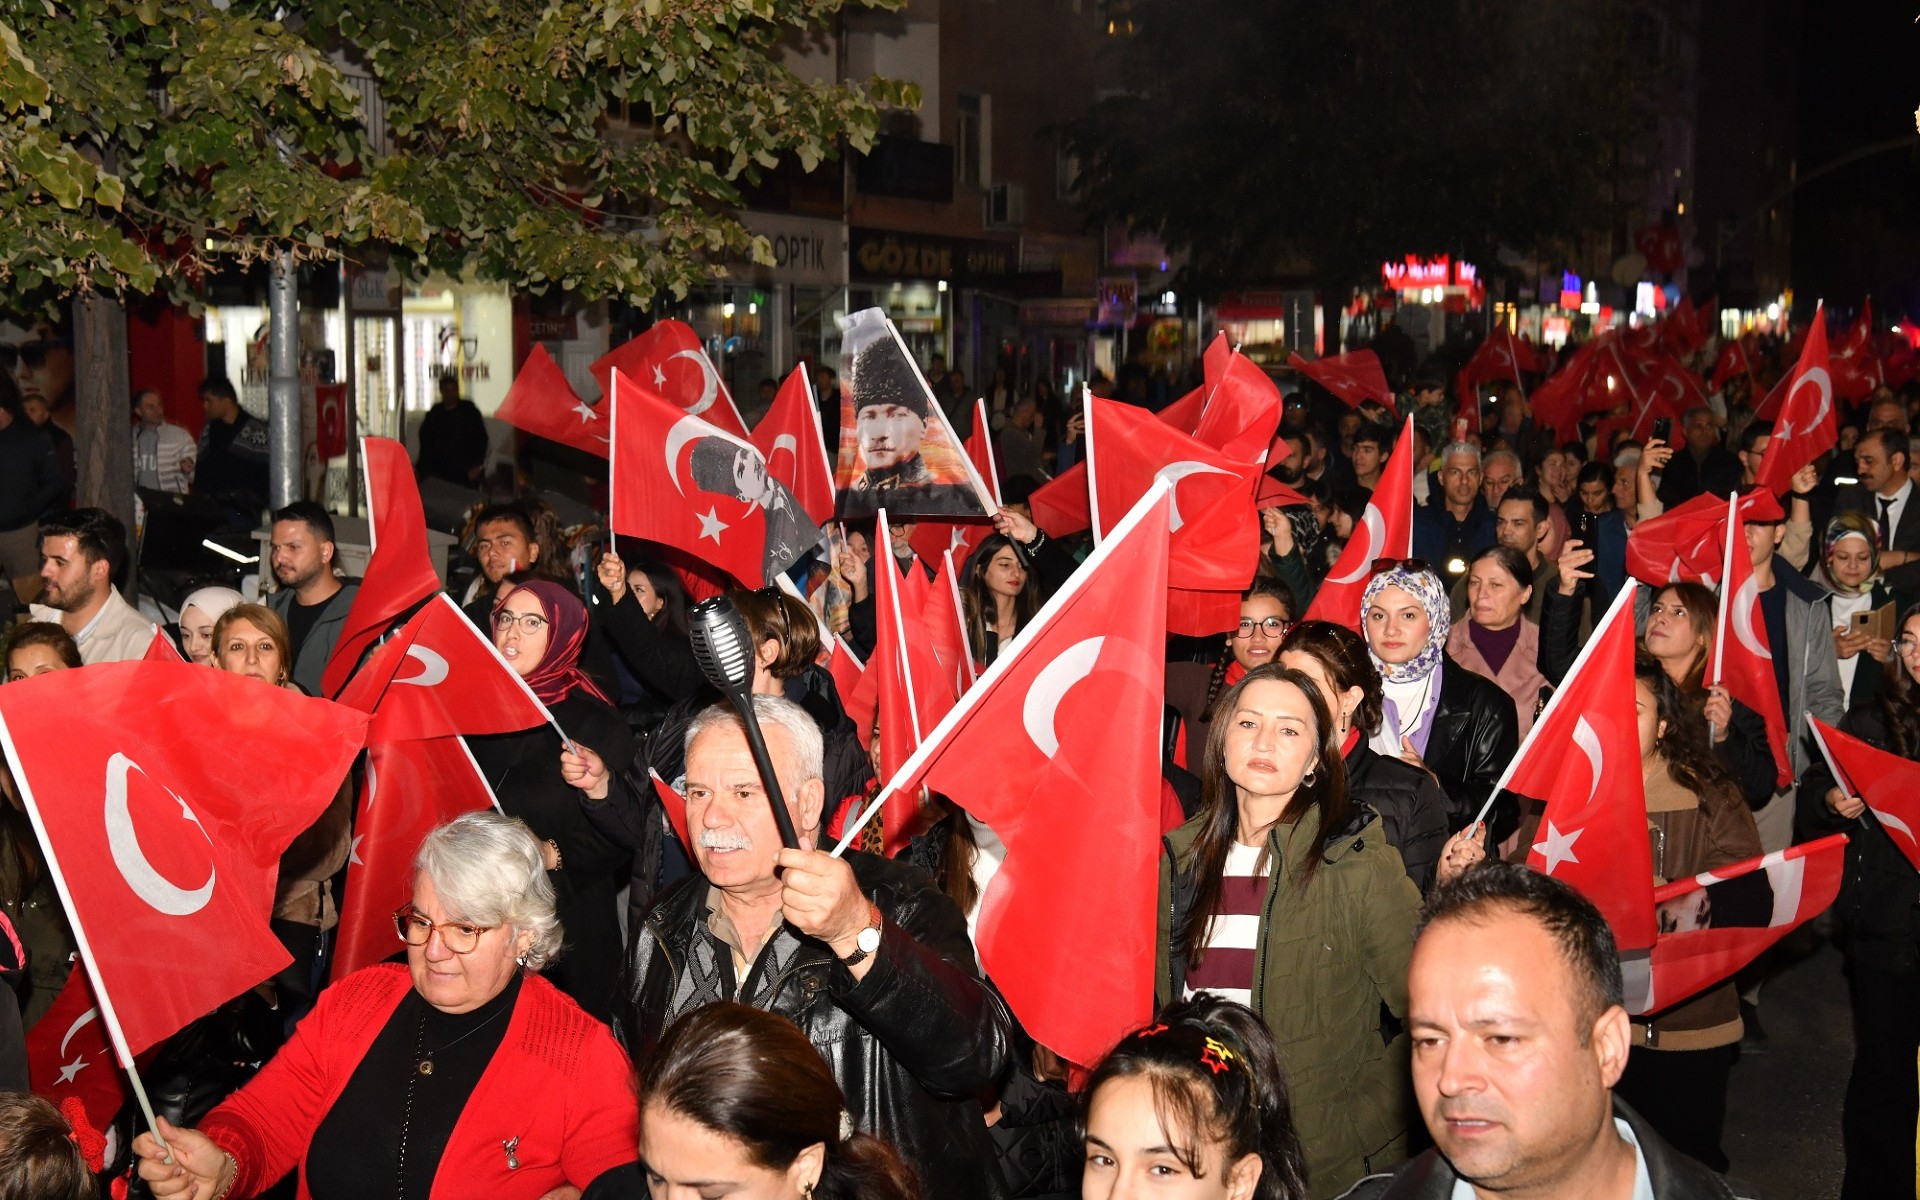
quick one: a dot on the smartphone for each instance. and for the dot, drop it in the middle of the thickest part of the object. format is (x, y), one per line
(1585, 525)
(1663, 429)
(1861, 620)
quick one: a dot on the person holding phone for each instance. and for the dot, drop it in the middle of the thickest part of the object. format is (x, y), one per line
(1858, 601)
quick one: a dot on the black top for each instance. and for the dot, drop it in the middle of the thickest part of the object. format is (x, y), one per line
(231, 465)
(453, 442)
(301, 619)
(389, 1108)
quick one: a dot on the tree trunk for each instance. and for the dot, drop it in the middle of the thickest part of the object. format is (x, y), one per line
(103, 421)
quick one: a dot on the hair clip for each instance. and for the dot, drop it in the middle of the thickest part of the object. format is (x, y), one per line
(1150, 1031)
(1218, 1056)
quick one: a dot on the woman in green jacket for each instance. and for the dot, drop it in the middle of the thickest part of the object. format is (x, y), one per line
(1282, 894)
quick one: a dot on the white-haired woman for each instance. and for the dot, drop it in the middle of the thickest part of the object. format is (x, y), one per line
(463, 1071)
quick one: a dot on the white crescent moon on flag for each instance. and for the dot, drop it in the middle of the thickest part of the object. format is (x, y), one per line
(1376, 527)
(79, 1023)
(124, 844)
(433, 668)
(709, 380)
(684, 430)
(1043, 699)
(1173, 473)
(1589, 743)
(1819, 378)
(1744, 602)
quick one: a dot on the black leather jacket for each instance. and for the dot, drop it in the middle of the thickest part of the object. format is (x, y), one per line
(1475, 735)
(913, 1045)
(1673, 1175)
(1412, 808)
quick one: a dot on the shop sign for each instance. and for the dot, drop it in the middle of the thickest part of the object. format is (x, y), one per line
(886, 254)
(1412, 273)
(1119, 298)
(553, 327)
(806, 252)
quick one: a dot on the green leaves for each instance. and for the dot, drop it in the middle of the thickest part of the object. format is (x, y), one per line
(594, 145)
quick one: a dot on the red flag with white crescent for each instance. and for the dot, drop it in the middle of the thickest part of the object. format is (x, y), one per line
(70, 1059)
(943, 625)
(400, 571)
(410, 787)
(1582, 760)
(1386, 532)
(1355, 377)
(675, 806)
(1057, 750)
(684, 483)
(440, 676)
(670, 359)
(1888, 783)
(1807, 426)
(1241, 410)
(164, 854)
(931, 539)
(1741, 657)
(1689, 541)
(543, 403)
(789, 437)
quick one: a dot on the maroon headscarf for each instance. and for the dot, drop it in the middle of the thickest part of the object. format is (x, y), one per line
(559, 671)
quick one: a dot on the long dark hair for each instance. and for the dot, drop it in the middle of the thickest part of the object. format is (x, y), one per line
(1899, 699)
(754, 1077)
(1342, 654)
(1326, 795)
(958, 853)
(1685, 746)
(1702, 607)
(977, 599)
(1263, 585)
(672, 617)
(1216, 1076)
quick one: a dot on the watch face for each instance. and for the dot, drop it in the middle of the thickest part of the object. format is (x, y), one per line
(868, 941)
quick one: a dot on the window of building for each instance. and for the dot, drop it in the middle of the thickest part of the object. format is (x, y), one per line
(973, 139)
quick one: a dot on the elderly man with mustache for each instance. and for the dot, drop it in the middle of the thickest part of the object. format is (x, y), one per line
(863, 953)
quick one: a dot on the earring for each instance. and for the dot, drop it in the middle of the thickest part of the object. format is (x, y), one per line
(522, 960)
(806, 1191)
(1307, 780)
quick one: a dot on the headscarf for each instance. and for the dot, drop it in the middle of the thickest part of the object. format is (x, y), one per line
(213, 601)
(559, 671)
(1842, 527)
(1423, 585)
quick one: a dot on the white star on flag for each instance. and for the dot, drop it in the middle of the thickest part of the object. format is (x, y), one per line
(353, 851)
(71, 1069)
(586, 412)
(659, 376)
(711, 526)
(1558, 848)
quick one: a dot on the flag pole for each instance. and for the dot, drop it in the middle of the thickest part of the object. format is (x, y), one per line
(900, 636)
(1840, 779)
(511, 673)
(1093, 482)
(1009, 654)
(960, 607)
(1726, 599)
(109, 1016)
(1621, 601)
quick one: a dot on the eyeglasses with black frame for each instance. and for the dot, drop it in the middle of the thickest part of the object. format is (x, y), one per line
(459, 937)
(1271, 626)
(529, 623)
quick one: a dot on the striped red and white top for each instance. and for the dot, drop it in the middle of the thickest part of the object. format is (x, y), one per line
(1233, 938)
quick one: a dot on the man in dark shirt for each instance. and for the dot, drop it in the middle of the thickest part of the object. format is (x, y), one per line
(1702, 466)
(231, 466)
(314, 600)
(453, 438)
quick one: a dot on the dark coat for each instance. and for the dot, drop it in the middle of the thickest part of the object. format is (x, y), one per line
(1475, 735)
(30, 479)
(1673, 1175)
(1879, 903)
(453, 443)
(1411, 804)
(523, 769)
(913, 1045)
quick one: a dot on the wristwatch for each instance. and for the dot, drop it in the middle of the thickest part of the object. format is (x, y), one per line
(869, 939)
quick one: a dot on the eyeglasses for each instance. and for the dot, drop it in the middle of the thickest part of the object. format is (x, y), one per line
(1412, 566)
(457, 936)
(1271, 626)
(1905, 646)
(529, 623)
(777, 608)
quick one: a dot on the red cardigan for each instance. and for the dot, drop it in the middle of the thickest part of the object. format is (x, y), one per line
(559, 1083)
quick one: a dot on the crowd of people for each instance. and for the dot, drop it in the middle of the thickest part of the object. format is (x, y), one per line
(1358, 988)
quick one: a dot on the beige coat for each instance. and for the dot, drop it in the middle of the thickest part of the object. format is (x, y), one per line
(1519, 677)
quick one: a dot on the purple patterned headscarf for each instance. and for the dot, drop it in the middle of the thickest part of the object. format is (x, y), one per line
(1425, 587)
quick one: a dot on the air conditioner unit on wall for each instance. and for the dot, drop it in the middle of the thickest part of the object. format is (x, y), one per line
(1006, 206)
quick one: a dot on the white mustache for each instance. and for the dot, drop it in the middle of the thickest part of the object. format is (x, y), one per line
(723, 839)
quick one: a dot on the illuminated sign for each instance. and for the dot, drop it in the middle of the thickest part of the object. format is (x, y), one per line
(1415, 274)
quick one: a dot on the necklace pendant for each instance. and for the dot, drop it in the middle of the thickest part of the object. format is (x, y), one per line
(426, 1066)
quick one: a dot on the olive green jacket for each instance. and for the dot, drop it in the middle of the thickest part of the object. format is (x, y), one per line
(1328, 958)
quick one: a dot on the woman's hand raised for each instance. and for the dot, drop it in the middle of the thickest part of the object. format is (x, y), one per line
(199, 1170)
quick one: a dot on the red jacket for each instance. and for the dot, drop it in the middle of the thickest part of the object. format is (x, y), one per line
(559, 1083)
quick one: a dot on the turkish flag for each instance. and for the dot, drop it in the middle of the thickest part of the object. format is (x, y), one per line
(400, 573)
(410, 788)
(1241, 412)
(1215, 530)
(439, 676)
(543, 403)
(1386, 532)
(670, 360)
(1664, 389)
(1807, 426)
(1684, 330)
(943, 625)
(1355, 377)
(70, 1059)
(1855, 360)
(790, 439)
(1662, 247)
(1744, 662)
(1689, 541)
(931, 539)
(1201, 612)
(162, 649)
(1733, 360)
(913, 687)
(1888, 783)
(847, 670)
(164, 854)
(330, 420)
(1500, 358)
(1057, 750)
(1061, 505)
(675, 806)
(685, 483)
(1715, 923)
(1582, 759)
